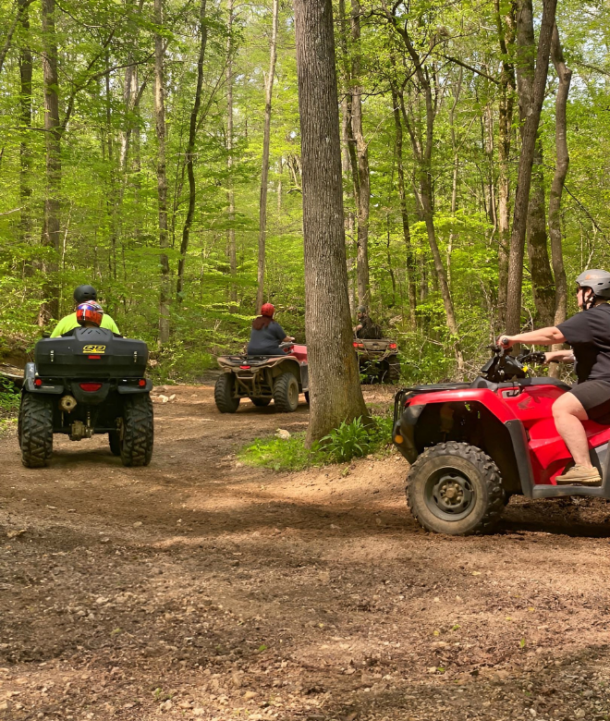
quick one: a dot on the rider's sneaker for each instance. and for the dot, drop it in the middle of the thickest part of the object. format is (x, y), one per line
(580, 476)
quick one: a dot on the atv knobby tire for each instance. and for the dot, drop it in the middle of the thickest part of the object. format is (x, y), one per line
(223, 394)
(450, 468)
(138, 431)
(114, 439)
(261, 402)
(393, 375)
(36, 430)
(286, 393)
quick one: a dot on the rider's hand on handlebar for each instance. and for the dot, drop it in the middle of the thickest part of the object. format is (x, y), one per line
(505, 342)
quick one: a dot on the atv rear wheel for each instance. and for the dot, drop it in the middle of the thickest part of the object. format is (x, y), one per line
(286, 393)
(455, 488)
(36, 430)
(138, 431)
(223, 394)
(393, 375)
(261, 402)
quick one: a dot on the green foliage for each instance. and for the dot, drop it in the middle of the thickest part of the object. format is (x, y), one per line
(9, 398)
(350, 440)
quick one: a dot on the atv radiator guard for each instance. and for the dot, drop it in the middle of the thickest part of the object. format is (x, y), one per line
(512, 422)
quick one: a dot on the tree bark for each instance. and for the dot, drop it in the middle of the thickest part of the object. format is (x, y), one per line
(506, 38)
(561, 170)
(165, 290)
(361, 169)
(334, 379)
(528, 146)
(543, 288)
(262, 210)
(26, 69)
(232, 249)
(52, 208)
(190, 153)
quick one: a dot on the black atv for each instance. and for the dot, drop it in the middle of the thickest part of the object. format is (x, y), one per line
(378, 360)
(90, 382)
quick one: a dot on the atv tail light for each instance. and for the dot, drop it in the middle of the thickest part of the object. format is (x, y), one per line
(359, 345)
(94, 357)
(90, 387)
(142, 383)
(393, 346)
(38, 382)
(245, 368)
(398, 439)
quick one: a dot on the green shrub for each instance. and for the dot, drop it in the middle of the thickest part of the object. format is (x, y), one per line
(341, 445)
(9, 398)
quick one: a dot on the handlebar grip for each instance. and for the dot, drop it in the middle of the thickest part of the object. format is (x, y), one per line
(504, 341)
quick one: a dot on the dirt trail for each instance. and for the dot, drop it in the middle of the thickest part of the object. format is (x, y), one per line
(200, 588)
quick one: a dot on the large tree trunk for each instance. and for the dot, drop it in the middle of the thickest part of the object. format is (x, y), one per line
(25, 102)
(528, 146)
(190, 152)
(334, 379)
(540, 268)
(404, 215)
(506, 38)
(361, 169)
(231, 247)
(262, 209)
(165, 290)
(52, 208)
(561, 170)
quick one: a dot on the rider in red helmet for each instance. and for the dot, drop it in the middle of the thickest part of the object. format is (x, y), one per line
(266, 334)
(89, 314)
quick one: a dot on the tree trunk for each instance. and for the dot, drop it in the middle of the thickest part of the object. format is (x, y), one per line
(506, 38)
(190, 153)
(540, 268)
(262, 209)
(561, 170)
(334, 378)
(402, 194)
(52, 208)
(363, 188)
(165, 290)
(22, 7)
(25, 101)
(528, 146)
(232, 249)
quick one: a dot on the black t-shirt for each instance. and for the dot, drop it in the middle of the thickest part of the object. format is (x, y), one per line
(369, 330)
(266, 341)
(588, 333)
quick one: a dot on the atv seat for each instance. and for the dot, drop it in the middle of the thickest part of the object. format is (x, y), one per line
(524, 382)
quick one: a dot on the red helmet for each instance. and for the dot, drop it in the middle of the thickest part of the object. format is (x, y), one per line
(268, 310)
(89, 312)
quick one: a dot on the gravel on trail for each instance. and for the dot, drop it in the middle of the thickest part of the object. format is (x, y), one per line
(200, 588)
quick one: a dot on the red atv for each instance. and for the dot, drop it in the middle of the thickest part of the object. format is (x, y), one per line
(263, 379)
(473, 445)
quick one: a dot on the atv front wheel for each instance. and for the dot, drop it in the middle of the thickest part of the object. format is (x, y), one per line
(223, 394)
(114, 439)
(36, 430)
(261, 402)
(455, 488)
(286, 393)
(138, 431)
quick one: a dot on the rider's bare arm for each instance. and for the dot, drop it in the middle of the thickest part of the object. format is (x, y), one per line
(559, 356)
(544, 336)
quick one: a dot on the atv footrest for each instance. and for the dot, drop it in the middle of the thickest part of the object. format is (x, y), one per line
(549, 491)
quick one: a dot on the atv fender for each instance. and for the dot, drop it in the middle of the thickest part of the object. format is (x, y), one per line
(128, 389)
(508, 448)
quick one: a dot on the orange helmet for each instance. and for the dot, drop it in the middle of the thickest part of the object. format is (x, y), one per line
(89, 312)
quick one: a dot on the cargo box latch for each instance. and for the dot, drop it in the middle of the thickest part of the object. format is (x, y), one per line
(52, 356)
(135, 356)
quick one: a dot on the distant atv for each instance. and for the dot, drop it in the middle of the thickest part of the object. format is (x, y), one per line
(378, 360)
(80, 385)
(263, 379)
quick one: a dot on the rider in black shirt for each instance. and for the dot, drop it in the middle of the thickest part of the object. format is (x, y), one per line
(588, 332)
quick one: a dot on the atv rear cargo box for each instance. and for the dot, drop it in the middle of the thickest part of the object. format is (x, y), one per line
(91, 353)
